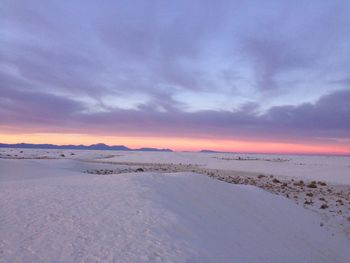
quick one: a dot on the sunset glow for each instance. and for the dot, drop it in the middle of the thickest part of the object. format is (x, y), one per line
(179, 144)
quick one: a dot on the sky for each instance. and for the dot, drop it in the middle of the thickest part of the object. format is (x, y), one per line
(254, 76)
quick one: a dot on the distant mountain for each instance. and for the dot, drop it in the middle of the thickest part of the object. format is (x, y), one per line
(99, 146)
(102, 146)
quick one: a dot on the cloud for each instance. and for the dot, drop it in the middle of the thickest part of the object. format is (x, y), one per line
(327, 118)
(296, 42)
(62, 63)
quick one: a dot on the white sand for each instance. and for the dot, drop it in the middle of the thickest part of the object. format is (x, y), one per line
(52, 212)
(334, 169)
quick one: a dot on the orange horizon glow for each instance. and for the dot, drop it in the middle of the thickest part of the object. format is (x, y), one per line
(179, 143)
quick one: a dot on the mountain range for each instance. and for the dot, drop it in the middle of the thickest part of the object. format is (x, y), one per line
(98, 146)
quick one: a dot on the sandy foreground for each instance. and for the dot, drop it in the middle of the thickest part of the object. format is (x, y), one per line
(108, 206)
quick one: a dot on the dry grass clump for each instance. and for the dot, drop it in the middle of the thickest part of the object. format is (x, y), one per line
(276, 181)
(300, 183)
(100, 171)
(312, 185)
(323, 206)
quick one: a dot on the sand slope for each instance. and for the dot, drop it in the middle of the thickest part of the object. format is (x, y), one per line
(51, 212)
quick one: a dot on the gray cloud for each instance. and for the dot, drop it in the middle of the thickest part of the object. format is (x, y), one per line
(328, 118)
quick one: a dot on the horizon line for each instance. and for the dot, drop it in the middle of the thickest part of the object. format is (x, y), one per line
(163, 149)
